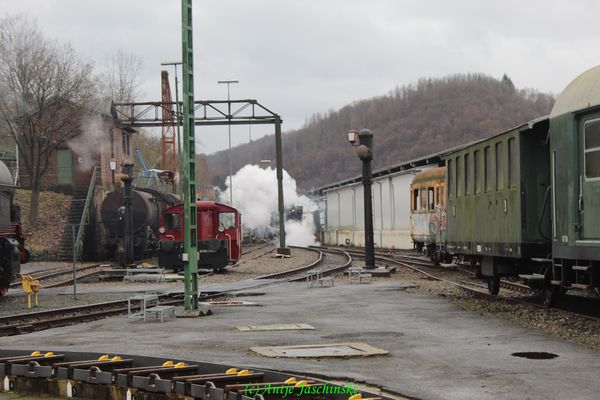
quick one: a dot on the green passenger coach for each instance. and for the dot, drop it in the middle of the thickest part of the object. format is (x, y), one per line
(575, 171)
(498, 202)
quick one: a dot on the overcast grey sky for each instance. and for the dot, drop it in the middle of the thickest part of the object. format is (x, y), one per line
(299, 57)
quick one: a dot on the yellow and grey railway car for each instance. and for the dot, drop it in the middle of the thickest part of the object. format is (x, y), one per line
(428, 212)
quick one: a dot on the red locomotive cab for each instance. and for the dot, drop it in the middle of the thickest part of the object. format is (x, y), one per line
(228, 228)
(219, 236)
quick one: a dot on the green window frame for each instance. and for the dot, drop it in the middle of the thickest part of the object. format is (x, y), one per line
(591, 149)
(450, 172)
(487, 168)
(467, 170)
(460, 190)
(499, 165)
(512, 162)
(476, 172)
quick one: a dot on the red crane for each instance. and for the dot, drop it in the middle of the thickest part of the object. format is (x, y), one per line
(169, 159)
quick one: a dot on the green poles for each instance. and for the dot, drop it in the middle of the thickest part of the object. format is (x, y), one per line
(190, 236)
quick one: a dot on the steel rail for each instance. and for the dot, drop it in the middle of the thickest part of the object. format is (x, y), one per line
(481, 293)
(68, 270)
(35, 321)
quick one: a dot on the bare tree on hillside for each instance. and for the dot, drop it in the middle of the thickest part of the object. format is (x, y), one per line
(44, 86)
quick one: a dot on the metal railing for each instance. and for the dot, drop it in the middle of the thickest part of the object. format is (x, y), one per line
(85, 214)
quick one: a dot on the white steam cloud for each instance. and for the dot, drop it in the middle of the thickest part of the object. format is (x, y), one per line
(255, 196)
(90, 143)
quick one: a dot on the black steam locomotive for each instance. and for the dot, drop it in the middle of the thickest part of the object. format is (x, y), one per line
(12, 240)
(147, 207)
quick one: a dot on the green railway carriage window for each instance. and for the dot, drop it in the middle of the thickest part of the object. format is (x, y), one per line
(499, 166)
(476, 170)
(459, 178)
(592, 149)
(512, 162)
(423, 196)
(487, 169)
(467, 175)
(450, 177)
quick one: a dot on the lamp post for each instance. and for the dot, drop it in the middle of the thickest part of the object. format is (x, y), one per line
(229, 128)
(364, 150)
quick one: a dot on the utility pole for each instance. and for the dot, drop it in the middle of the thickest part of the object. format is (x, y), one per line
(190, 236)
(229, 128)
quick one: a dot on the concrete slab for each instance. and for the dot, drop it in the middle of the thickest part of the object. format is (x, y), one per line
(342, 350)
(239, 285)
(275, 327)
(239, 303)
(437, 350)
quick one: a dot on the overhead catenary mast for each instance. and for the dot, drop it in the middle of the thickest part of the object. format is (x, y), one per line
(190, 251)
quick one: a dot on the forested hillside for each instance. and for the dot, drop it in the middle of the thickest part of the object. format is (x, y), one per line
(409, 122)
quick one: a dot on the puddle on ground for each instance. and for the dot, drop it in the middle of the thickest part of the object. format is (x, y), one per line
(535, 355)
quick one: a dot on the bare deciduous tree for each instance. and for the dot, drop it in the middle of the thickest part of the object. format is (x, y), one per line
(44, 88)
(119, 77)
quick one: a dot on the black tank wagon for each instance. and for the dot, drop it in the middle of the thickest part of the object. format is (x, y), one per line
(147, 208)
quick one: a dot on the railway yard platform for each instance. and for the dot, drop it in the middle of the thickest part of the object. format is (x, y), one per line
(437, 350)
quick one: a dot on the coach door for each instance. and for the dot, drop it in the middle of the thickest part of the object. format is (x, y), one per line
(588, 202)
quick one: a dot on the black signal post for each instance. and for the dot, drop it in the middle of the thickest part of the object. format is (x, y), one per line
(364, 149)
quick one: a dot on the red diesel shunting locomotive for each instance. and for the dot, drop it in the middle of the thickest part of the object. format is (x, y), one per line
(219, 236)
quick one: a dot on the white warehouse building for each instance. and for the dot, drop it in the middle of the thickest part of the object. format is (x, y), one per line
(341, 207)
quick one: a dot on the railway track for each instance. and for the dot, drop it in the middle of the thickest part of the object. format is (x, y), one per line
(299, 274)
(35, 321)
(62, 276)
(571, 304)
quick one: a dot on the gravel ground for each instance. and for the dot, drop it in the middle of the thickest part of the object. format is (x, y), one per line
(558, 323)
(11, 305)
(261, 262)
(254, 264)
(251, 267)
(38, 266)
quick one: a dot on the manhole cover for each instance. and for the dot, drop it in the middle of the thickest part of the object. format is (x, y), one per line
(321, 350)
(535, 355)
